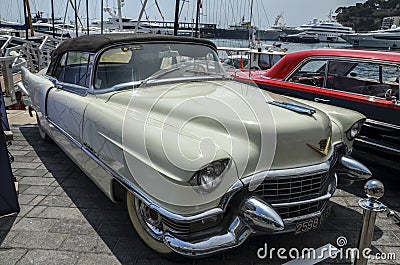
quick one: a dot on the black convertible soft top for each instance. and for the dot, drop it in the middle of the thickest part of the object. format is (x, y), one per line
(96, 42)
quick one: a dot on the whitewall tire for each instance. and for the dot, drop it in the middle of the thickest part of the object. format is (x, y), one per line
(145, 230)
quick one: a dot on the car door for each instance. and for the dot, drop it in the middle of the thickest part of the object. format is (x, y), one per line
(362, 86)
(66, 103)
(303, 82)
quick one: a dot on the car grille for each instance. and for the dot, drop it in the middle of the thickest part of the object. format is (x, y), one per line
(180, 228)
(290, 189)
(299, 210)
(190, 228)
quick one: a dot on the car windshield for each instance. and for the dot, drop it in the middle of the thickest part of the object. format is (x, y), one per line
(134, 63)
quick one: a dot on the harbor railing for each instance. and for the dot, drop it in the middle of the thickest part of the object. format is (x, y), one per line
(16, 52)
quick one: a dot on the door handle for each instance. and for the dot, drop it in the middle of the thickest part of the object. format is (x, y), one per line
(322, 100)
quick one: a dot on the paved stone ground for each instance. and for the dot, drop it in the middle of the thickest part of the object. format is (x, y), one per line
(66, 219)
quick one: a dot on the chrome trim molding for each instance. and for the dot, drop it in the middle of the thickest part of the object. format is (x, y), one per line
(260, 215)
(377, 145)
(352, 170)
(321, 198)
(237, 233)
(254, 214)
(303, 217)
(65, 133)
(281, 173)
(383, 124)
(294, 107)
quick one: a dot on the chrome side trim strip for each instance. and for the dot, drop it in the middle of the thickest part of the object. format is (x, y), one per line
(293, 107)
(383, 124)
(321, 198)
(380, 146)
(70, 137)
(132, 188)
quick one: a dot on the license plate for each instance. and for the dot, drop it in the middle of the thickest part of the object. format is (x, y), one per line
(307, 225)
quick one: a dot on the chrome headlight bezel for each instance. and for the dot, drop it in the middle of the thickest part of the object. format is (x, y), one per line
(354, 130)
(208, 178)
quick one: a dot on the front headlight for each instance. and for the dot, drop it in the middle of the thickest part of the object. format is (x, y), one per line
(208, 178)
(354, 130)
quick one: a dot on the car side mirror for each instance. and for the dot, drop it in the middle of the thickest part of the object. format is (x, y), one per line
(353, 74)
(390, 95)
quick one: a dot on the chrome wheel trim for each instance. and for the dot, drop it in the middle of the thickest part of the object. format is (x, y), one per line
(153, 227)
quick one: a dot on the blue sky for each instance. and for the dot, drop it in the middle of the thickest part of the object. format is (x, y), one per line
(222, 12)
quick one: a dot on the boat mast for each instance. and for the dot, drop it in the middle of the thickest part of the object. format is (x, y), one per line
(251, 31)
(120, 15)
(251, 11)
(197, 18)
(87, 17)
(28, 10)
(76, 19)
(26, 21)
(140, 16)
(52, 18)
(176, 23)
(102, 17)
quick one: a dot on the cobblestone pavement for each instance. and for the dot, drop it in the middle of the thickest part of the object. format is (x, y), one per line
(66, 219)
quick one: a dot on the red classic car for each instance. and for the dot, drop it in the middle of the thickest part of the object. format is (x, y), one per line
(365, 81)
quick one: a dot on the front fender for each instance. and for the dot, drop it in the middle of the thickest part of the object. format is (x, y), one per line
(342, 119)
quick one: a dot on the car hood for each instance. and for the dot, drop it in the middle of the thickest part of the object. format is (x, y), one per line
(227, 119)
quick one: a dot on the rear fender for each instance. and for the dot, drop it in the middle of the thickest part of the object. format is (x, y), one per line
(36, 88)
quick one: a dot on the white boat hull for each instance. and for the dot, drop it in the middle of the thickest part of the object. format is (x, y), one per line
(370, 41)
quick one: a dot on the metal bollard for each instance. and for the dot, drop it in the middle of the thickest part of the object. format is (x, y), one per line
(374, 190)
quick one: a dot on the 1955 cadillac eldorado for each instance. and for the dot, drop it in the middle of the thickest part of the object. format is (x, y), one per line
(204, 161)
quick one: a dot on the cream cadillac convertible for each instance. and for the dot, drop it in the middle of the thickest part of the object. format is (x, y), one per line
(202, 161)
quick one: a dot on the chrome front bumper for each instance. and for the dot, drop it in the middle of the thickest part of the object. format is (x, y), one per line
(255, 216)
(249, 215)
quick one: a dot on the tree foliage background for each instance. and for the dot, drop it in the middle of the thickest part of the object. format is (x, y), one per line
(368, 16)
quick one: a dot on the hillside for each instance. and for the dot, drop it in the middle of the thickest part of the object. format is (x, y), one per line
(368, 16)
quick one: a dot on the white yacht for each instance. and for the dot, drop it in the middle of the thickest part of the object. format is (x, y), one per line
(62, 30)
(387, 39)
(153, 27)
(326, 31)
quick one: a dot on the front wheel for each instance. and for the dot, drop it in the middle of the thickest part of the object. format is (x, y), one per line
(147, 223)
